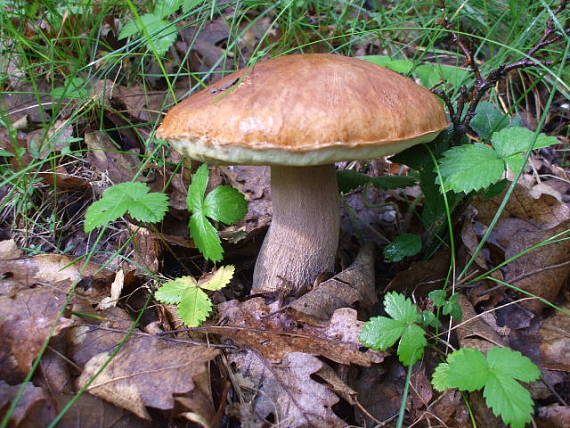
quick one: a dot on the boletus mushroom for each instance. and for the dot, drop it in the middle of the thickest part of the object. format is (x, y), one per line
(300, 114)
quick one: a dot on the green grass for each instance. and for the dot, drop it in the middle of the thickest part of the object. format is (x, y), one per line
(53, 54)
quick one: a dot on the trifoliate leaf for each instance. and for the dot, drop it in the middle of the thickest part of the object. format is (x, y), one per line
(194, 307)
(470, 167)
(171, 292)
(133, 198)
(412, 344)
(401, 308)
(430, 320)
(380, 332)
(467, 361)
(506, 362)
(157, 31)
(510, 141)
(206, 237)
(225, 204)
(453, 308)
(405, 245)
(197, 189)
(219, 279)
(509, 400)
(440, 379)
(488, 119)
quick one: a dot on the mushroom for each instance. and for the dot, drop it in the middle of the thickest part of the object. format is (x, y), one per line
(300, 114)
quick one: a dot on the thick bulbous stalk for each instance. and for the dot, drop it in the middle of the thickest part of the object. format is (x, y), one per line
(302, 241)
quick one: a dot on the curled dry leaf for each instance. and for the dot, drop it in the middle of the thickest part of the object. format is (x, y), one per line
(147, 372)
(555, 344)
(275, 335)
(286, 392)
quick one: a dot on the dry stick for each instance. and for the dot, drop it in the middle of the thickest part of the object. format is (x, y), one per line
(474, 94)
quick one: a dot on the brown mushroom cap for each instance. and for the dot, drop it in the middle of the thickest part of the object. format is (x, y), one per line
(302, 110)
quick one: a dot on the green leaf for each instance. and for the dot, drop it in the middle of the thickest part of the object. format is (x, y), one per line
(74, 88)
(431, 74)
(132, 197)
(401, 308)
(506, 362)
(164, 8)
(405, 245)
(219, 279)
(438, 297)
(430, 320)
(412, 344)
(189, 5)
(453, 308)
(171, 292)
(509, 400)
(467, 361)
(440, 379)
(225, 204)
(349, 180)
(194, 307)
(206, 237)
(517, 140)
(380, 332)
(402, 66)
(160, 32)
(197, 189)
(471, 167)
(488, 119)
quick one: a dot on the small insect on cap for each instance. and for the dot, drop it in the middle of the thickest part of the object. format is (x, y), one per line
(302, 110)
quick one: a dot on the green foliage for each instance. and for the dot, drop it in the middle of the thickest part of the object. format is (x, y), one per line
(194, 305)
(380, 333)
(405, 245)
(133, 198)
(349, 180)
(449, 306)
(157, 31)
(224, 204)
(497, 374)
(476, 166)
(74, 88)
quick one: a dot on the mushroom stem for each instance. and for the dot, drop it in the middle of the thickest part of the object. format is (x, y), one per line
(302, 241)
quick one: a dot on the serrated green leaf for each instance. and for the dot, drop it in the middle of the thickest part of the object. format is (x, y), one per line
(126, 197)
(438, 297)
(509, 400)
(162, 33)
(507, 362)
(349, 180)
(171, 292)
(194, 307)
(518, 139)
(205, 237)
(488, 119)
(219, 279)
(401, 308)
(412, 345)
(471, 167)
(104, 211)
(74, 88)
(463, 361)
(150, 207)
(197, 189)
(440, 379)
(405, 245)
(380, 332)
(225, 204)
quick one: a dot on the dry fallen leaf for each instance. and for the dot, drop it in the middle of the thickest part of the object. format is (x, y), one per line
(147, 372)
(34, 409)
(285, 392)
(555, 341)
